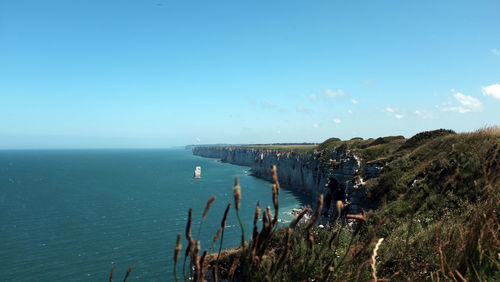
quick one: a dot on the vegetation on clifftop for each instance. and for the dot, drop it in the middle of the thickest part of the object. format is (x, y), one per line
(435, 217)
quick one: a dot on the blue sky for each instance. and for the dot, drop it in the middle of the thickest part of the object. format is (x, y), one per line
(106, 74)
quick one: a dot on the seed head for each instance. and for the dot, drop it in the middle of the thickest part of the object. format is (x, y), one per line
(128, 272)
(111, 273)
(207, 207)
(214, 240)
(257, 213)
(223, 222)
(237, 193)
(178, 246)
(275, 197)
(274, 175)
(188, 226)
(269, 214)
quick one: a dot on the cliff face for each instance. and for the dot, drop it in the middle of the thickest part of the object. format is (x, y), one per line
(303, 172)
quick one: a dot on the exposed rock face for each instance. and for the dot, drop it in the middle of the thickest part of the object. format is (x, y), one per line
(304, 172)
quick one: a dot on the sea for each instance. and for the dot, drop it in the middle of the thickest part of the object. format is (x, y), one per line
(72, 215)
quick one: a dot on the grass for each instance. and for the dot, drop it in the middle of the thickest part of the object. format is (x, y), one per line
(435, 217)
(281, 148)
(297, 149)
(372, 150)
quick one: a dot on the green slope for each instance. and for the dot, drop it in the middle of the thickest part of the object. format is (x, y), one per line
(435, 204)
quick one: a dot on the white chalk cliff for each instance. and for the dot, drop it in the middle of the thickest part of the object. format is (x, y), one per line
(305, 172)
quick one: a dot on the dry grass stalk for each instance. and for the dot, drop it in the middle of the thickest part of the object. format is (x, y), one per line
(186, 253)
(205, 211)
(255, 220)
(255, 235)
(237, 200)
(260, 244)
(299, 217)
(374, 259)
(275, 196)
(269, 216)
(111, 273)
(489, 130)
(128, 272)
(233, 266)
(188, 226)
(237, 193)
(192, 245)
(178, 247)
(265, 225)
(202, 264)
(214, 240)
(215, 271)
(257, 213)
(317, 212)
(460, 275)
(276, 204)
(188, 248)
(223, 226)
(207, 207)
(224, 218)
(274, 175)
(254, 258)
(196, 261)
(190, 240)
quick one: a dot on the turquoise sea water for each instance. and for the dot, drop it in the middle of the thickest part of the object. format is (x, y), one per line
(69, 215)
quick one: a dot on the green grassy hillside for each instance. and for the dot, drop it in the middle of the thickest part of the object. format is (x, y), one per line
(435, 217)
(439, 204)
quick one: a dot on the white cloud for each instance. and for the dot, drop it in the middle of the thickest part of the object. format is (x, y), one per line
(334, 94)
(492, 90)
(198, 139)
(315, 125)
(313, 97)
(495, 51)
(399, 114)
(354, 101)
(278, 132)
(336, 120)
(466, 104)
(425, 114)
(349, 111)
